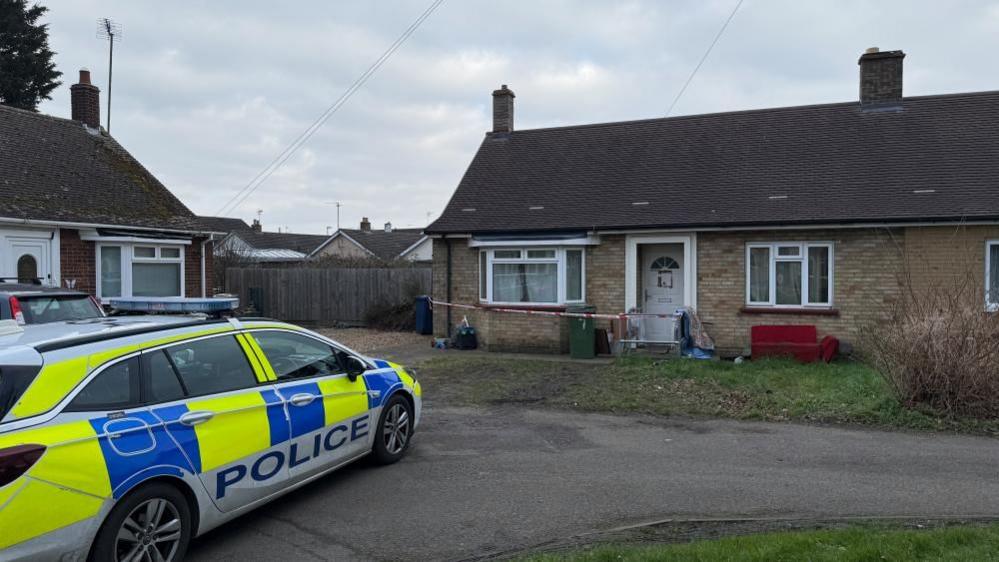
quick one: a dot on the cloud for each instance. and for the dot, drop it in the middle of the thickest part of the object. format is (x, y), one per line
(206, 94)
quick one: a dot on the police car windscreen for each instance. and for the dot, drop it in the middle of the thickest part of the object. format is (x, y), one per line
(57, 308)
(14, 380)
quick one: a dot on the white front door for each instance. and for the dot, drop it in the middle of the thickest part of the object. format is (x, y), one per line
(28, 258)
(662, 283)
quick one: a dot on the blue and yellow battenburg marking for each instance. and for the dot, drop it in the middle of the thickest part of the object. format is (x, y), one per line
(147, 443)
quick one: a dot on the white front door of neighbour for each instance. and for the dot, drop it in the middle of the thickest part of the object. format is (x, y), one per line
(28, 259)
(662, 283)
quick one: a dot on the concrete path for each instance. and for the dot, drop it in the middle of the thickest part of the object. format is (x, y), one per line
(480, 482)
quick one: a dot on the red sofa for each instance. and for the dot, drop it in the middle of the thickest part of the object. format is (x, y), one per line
(799, 342)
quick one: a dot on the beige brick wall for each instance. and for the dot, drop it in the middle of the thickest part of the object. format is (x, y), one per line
(949, 256)
(342, 248)
(497, 331)
(868, 267)
(867, 263)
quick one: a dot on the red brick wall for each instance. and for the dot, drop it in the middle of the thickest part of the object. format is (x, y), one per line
(192, 268)
(77, 261)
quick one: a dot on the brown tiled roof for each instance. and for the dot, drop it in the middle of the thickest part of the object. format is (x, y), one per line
(385, 245)
(936, 159)
(223, 224)
(54, 169)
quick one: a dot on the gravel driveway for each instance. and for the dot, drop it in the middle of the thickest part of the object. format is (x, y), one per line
(489, 482)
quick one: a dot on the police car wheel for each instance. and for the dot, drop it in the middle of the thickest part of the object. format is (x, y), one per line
(395, 428)
(152, 523)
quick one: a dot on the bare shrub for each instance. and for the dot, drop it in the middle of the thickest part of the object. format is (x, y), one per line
(937, 346)
(397, 316)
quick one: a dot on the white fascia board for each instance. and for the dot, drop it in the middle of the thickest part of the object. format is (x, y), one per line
(831, 226)
(521, 242)
(413, 246)
(94, 236)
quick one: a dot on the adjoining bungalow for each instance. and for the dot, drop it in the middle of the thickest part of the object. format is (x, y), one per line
(249, 243)
(78, 211)
(386, 245)
(797, 215)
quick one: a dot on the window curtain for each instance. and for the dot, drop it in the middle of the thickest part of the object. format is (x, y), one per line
(993, 274)
(818, 274)
(759, 274)
(525, 282)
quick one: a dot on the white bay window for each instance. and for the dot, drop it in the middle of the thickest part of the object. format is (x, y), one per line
(543, 276)
(139, 270)
(789, 274)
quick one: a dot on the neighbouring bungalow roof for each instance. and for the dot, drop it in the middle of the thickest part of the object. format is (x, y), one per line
(382, 244)
(54, 169)
(935, 159)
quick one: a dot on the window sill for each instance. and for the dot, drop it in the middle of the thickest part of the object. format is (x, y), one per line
(796, 310)
(540, 307)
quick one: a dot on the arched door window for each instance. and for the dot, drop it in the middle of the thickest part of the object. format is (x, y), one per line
(27, 268)
(665, 262)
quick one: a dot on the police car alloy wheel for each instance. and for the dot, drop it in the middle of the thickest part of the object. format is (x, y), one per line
(153, 524)
(394, 431)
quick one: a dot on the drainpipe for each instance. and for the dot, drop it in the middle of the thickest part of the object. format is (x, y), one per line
(204, 289)
(448, 242)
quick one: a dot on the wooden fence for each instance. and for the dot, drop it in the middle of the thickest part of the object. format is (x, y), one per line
(324, 296)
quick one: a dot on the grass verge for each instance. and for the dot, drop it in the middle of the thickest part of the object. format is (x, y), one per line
(857, 543)
(772, 390)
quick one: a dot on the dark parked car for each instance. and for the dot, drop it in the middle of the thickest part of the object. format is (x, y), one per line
(34, 303)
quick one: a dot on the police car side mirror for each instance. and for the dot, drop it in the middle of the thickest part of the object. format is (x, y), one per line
(355, 367)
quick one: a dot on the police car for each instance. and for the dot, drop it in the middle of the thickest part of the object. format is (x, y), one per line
(123, 438)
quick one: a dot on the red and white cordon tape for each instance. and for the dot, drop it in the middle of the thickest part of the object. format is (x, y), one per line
(553, 313)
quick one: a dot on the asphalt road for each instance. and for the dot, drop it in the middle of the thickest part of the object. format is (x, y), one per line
(482, 482)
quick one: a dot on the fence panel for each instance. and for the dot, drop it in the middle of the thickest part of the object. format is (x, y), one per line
(324, 296)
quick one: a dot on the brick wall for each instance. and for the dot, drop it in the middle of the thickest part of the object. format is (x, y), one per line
(497, 331)
(948, 256)
(77, 261)
(192, 268)
(868, 265)
(866, 269)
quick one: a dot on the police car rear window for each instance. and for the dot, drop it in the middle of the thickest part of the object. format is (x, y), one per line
(14, 380)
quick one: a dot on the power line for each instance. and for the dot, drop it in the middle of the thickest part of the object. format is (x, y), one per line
(703, 58)
(305, 135)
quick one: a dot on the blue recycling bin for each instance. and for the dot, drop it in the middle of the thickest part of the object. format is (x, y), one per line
(424, 316)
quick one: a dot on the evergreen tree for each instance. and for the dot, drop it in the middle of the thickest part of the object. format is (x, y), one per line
(27, 73)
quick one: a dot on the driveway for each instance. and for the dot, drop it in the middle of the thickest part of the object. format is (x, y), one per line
(482, 482)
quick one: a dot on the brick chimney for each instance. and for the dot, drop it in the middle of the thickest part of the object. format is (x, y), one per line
(256, 226)
(503, 110)
(85, 99)
(881, 79)
(365, 225)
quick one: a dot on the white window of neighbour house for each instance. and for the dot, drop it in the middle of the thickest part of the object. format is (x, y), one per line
(543, 276)
(140, 270)
(992, 275)
(789, 274)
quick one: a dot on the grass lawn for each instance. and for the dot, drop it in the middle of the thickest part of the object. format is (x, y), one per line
(774, 390)
(860, 543)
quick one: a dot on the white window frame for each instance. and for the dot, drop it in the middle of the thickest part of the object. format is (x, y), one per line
(128, 258)
(991, 305)
(561, 282)
(801, 257)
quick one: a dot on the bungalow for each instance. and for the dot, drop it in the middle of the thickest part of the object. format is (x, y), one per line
(805, 215)
(249, 243)
(78, 211)
(386, 245)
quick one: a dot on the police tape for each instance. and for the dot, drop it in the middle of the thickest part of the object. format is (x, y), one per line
(551, 313)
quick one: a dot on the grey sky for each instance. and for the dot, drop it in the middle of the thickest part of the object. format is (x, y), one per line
(207, 93)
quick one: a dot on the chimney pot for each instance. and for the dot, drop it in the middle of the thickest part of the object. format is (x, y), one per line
(881, 79)
(365, 224)
(388, 227)
(85, 101)
(257, 227)
(503, 110)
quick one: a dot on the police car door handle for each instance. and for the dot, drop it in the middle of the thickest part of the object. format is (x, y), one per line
(195, 418)
(302, 399)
